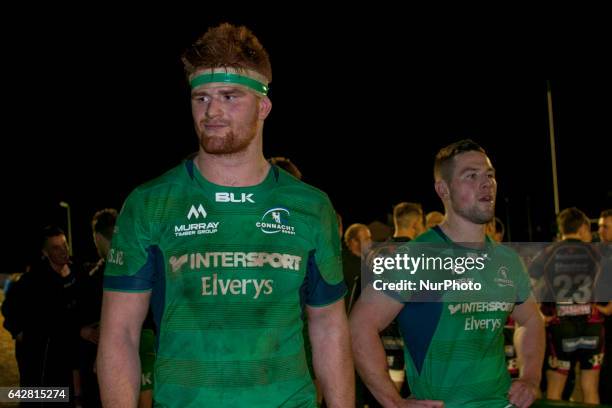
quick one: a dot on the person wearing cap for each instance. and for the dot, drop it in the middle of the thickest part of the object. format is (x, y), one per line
(231, 252)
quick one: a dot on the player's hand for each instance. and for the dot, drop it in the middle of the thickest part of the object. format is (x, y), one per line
(522, 393)
(415, 403)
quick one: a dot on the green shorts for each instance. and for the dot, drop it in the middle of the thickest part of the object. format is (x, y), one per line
(147, 359)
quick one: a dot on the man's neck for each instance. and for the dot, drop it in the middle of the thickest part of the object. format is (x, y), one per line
(62, 270)
(240, 170)
(571, 236)
(462, 230)
(403, 233)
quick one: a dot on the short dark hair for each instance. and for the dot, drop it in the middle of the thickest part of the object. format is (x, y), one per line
(570, 220)
(443, 164)
(104, 221)
(606, 213)
(402, 211)
(48, 232)
(227, 46)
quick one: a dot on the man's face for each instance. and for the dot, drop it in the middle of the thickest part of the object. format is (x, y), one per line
(226, 117)
(473, 187)
(605, 229)
(362, 242)
(365, 240)
(56, 249)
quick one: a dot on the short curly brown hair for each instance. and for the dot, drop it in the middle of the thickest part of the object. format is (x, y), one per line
(227, 46)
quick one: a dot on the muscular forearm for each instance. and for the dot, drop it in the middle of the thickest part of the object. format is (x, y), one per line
(371, 363)
(118, 367)
(529, 342)
(332, 360)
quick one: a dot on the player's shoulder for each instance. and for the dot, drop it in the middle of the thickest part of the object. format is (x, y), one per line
(430, 242)
(290, 185)
(605, 249)
(576, 248)
(154, 194)
(508, 256)
(504, 250)
(432, 235)
(178, 175)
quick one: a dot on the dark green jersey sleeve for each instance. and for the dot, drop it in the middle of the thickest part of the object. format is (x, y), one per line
(325, 281)
(523, 290)
(131, 259)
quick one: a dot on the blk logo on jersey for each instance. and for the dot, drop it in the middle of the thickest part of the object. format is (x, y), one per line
(276, 220)
(234, 198)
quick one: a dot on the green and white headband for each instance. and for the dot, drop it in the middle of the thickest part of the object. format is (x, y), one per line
(246, 78)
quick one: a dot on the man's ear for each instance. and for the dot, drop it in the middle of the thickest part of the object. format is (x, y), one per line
(585, 232)
(442, 189)
(97, 238)
(265, 106)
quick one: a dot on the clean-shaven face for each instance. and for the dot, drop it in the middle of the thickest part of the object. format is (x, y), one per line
(605, 229)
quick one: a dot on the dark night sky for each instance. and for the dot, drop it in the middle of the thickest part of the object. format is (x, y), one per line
(98, 108)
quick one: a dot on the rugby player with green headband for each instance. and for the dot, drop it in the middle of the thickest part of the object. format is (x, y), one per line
(231, 252)
(248, 79)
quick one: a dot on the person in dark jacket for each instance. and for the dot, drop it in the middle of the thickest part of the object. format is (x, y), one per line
(40, 314)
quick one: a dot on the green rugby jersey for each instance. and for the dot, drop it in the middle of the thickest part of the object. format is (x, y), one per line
(230, 270)
(453, 346)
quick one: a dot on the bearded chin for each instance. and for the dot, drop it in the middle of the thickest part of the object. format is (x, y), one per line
(475, 214)
(479, 217)
(228, 144)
